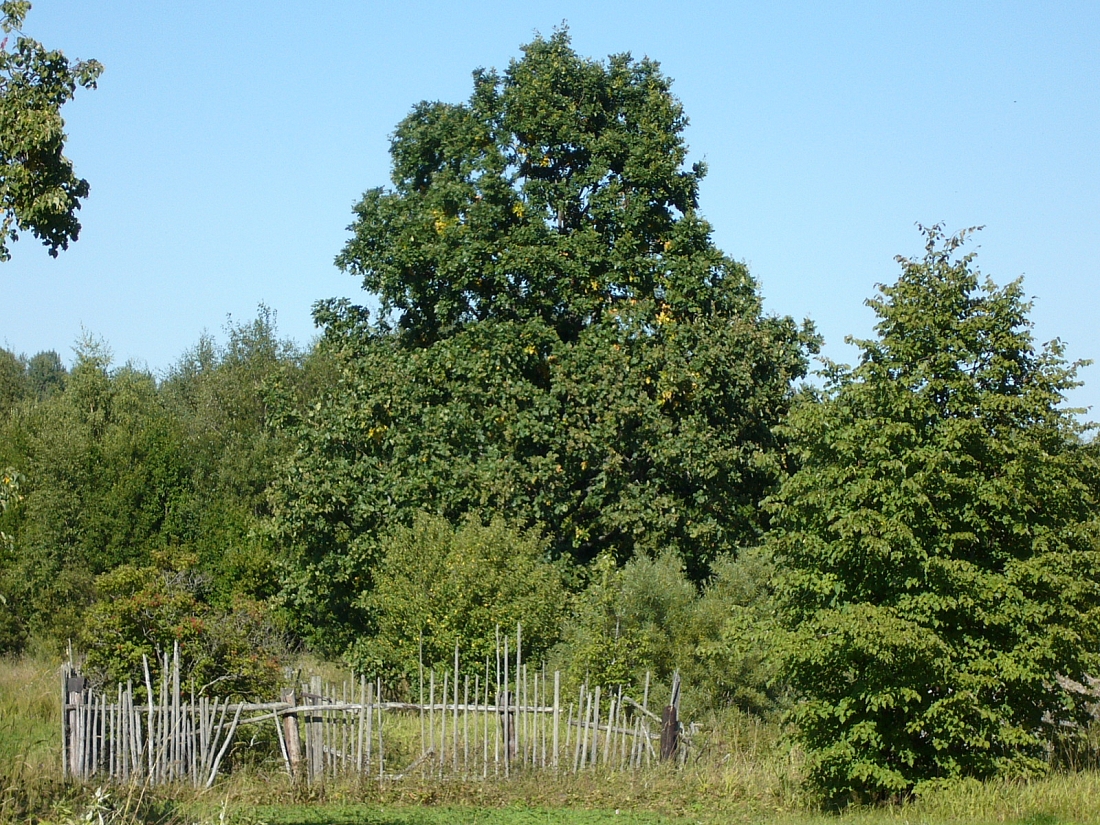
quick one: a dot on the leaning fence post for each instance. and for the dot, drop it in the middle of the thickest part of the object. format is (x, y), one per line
(293, 739)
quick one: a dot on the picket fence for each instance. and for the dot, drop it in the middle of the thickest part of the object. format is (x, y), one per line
(510, 719)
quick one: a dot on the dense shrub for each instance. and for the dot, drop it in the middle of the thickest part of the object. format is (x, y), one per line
(144, 611)
(439, 585)
(648, 616)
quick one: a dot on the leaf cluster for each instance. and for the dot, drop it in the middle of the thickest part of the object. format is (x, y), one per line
(440, 586)
(39, 191)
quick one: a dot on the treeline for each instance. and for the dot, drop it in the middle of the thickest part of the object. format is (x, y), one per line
(572, 412)
(141, 492)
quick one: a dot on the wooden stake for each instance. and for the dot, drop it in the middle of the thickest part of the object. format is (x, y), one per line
(557, 716)
(362, 712)
(466, 725)
(381, 753)
(454, 719)
(443, 725)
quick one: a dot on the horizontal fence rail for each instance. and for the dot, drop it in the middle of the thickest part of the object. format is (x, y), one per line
(512, 720)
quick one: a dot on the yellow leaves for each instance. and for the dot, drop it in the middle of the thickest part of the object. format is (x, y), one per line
(375, 433)
(442, 221)
(530, 349)
(519, 210)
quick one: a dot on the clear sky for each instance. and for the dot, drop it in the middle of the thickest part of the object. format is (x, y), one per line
(228, 141)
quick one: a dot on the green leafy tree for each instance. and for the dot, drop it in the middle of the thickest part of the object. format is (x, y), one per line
(120, 466)
(440, 585)
(13, 381)
(938, 545)
(107, 486)
(45, 374)
(39, 191)
(561, 343)
(218, 395)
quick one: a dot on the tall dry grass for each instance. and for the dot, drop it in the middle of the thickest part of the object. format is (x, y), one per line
(30, 736)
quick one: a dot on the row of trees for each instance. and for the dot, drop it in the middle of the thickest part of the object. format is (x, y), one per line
(127, 480)
(571, 409)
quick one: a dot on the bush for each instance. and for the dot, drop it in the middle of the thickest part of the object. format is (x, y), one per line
(439, 585)
(648, 616)
(145, 611)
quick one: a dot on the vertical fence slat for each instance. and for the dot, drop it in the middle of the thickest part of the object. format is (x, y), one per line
(454, 717)
(557, 716)
(362, 709)
(381, 752)
(370, 722)
(466, 725)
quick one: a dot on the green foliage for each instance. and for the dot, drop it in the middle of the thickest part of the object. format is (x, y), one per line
(22, 378)
(628, 621)
(219, 397)
(440, 585)
(648, 616)
(38, 190)
(144, 611)
(105, 469)
(556, 193)
(45, 374)
(938, 545)
(12, 380)
(119, 466)
(12, 630)
(736, 658)
(562, 343)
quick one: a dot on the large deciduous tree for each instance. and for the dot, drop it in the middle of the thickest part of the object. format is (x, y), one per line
(939, 540)
(39, 192)
(560, 343)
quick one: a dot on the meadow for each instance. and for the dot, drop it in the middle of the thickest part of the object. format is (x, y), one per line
(744, 770)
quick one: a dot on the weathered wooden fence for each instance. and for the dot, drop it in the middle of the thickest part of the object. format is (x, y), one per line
(510, 720)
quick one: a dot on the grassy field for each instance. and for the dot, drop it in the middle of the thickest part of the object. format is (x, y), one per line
(746, 775)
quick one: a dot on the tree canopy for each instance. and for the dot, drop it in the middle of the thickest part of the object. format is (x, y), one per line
(937, 548)
(558, 192)
(561, 343)
(39, 191)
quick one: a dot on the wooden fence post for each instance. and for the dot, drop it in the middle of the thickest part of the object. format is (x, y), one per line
(74, 696)
(670, 723)
(670, 733)
(293, 738)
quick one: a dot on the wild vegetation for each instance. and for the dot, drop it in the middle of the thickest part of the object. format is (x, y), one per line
(572, 411)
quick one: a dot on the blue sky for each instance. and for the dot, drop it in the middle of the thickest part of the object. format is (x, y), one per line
(228, 142)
